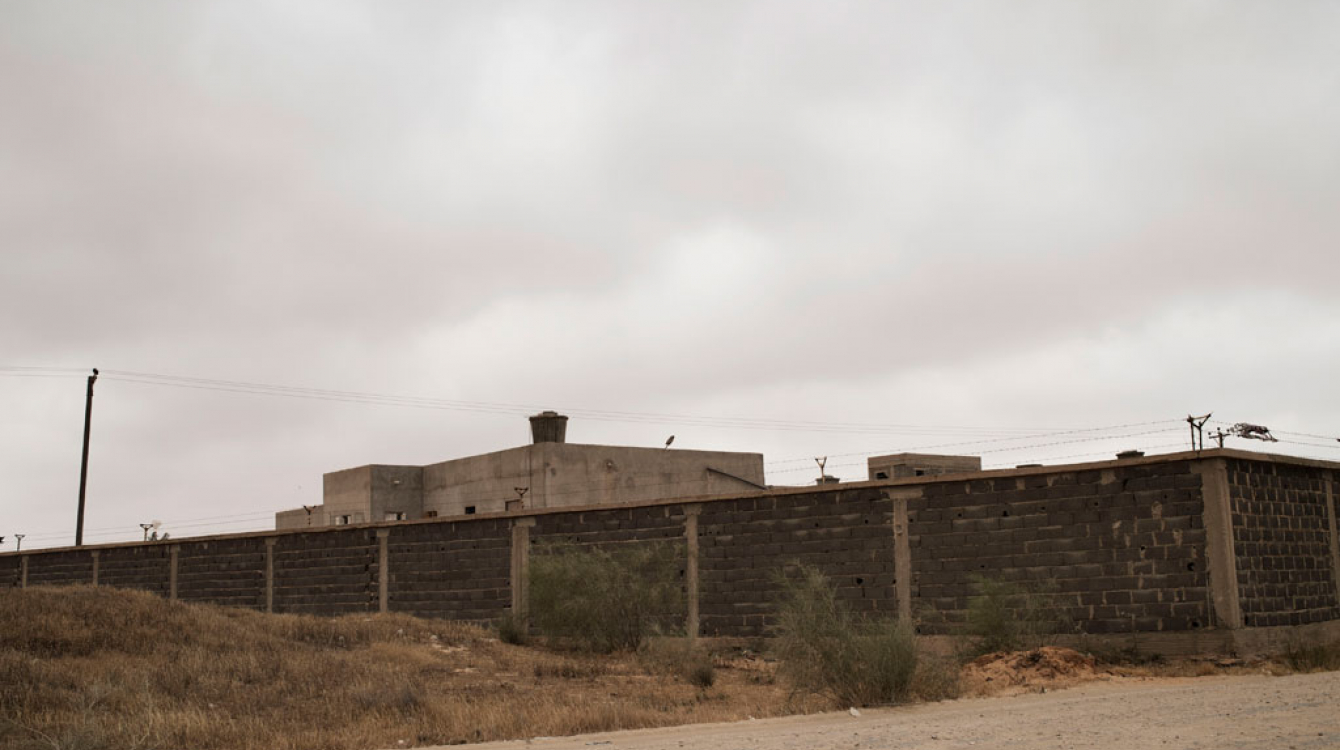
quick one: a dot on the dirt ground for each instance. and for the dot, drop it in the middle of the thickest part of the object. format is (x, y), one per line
(1294, 712)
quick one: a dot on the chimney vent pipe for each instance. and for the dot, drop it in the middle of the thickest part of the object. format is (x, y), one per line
(548, 427)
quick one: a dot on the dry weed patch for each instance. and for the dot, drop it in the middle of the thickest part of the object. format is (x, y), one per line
(91, 668)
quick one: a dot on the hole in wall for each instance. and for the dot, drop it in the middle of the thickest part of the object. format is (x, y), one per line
(1142, 548)
(1043, 508)
(859, 581)
(960, 514)
(1191, 566)
(1004, 514)
(1195, 624)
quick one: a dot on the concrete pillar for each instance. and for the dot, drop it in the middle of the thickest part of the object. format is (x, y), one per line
(172, 571)
(270, 573)
(1331, 512)
(521, 568)
(23, 572)
(383, 570)
(1219, 552)
(691, 513)
(902, 548)
(96, 554)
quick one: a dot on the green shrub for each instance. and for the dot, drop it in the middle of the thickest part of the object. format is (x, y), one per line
(824, 649)
(1004, 616)
(606, 599)
(512, 629)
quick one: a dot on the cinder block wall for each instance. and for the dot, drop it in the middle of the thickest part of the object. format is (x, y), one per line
(745, 543)
(330, 573)
(457, 571)
(1284, 540)
(1177, 544)
(1121, 549)
(147, 568)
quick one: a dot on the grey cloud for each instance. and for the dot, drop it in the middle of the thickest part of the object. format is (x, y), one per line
(686, 207)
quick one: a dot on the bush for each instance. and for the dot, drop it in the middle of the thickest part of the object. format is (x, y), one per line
(606, 599)
(1004, 616)
(512, 629)
(1322, 657)
(679, 658)
(825, 650)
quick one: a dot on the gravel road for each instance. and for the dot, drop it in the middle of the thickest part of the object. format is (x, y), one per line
(1279, 713)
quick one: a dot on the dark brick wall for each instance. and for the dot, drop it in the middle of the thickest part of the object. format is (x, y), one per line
(1281, 536)
(603, 527)
(10, 568)
(744, 544)
(222, 571)
(1120, 550)
(56, 568)
(459, 571)
(326, 572)
(620, 526)
(140, 567)
(1121, 546)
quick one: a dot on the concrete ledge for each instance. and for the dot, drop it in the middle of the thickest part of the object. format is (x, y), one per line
(1277, 640)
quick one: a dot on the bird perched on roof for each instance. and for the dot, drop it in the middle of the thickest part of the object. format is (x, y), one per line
(669, 441)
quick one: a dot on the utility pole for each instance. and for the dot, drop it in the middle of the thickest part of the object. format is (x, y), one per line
(83, 464)
(19, 538)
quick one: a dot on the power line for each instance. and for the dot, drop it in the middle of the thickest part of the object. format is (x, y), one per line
(990, 440)
(285, 391)
(1012, 448)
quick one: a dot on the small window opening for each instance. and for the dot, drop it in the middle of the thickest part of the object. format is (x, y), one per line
(469, 510)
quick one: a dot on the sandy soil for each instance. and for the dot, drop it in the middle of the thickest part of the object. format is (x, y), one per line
(1296, 712)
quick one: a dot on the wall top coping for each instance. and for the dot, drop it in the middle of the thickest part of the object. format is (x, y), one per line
(781, 491)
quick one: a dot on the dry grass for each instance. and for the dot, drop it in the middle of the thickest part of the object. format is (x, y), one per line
(95, 668)
(87, 668)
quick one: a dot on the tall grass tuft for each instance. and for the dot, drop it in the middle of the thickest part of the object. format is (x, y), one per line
(1319, 657)
(1005, 616)
(825, 649)
(606, 599)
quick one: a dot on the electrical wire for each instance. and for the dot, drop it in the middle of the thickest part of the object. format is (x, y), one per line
(269, 389)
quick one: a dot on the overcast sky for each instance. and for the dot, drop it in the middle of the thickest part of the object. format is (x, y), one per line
(1029, 231)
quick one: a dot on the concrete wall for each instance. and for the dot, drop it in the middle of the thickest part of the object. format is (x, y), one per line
(906, 465)
(1216, 551)
(567, 475)
(484, 482)
(366, 493)
(300, 518)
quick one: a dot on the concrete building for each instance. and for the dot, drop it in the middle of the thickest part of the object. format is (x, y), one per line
(548, 473)
(905, 465)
